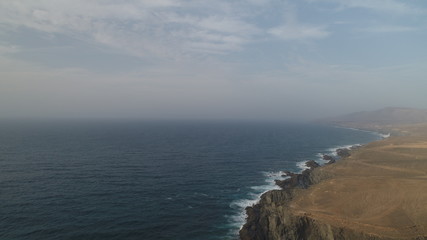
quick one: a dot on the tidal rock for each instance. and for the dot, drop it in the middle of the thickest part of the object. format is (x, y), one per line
(343, 152)
(312, 164)
(331, 161)
(296, 180)
(287, 174)
(327, 157)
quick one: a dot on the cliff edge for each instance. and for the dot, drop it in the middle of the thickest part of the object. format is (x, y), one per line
(378, 193)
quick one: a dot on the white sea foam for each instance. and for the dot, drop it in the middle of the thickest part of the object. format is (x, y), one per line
(302, 165)
(253, 197)
(384, 135)
(333, 151)
(320, 159)
(356, 129)
(381, 135)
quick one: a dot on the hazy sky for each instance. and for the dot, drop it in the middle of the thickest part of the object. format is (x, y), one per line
(256, 59)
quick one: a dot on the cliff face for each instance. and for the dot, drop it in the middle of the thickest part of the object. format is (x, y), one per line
(373, 194)
(265, 219)
(272, 219)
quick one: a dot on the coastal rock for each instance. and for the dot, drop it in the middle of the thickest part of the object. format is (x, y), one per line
(312, 164)
(275, 226)
(298, 180)
(331, 161)
(343, 152)
(273, 219)
(327, 157)
(354, 147)
(264, 221)
(301, 180)
(287, 174)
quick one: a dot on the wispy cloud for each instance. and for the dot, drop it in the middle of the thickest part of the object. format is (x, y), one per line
(386, 6)
(143, 28)
(298, 32)
(164, 58)
(7, 48)
(389, 29)
(152, 29)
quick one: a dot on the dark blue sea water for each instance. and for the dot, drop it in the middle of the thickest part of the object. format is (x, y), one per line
(146, 180)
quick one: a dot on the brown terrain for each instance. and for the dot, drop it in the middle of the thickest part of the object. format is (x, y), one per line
(381, 189)
(378, 192)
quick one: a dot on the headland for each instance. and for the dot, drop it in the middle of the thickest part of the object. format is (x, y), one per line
(379, 191)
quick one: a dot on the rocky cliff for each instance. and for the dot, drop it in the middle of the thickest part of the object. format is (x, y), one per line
(372, 194)
(272, 219)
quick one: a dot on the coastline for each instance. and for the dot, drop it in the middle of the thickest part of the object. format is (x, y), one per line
(295, 180)
(271, 177)
(238, 219)
(309, 207)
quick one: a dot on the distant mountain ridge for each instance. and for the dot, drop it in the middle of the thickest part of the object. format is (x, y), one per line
(382, 117)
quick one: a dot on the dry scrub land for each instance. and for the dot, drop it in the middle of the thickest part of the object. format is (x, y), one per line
(380, 190)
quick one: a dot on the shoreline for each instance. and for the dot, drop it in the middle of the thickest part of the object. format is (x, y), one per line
(272, 176)
(274, 217)
(294, 180)
(303, 166)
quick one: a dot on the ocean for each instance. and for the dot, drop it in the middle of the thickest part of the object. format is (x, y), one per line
(112, 179)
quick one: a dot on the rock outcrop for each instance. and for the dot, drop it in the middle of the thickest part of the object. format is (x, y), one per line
(372, 195)
(272, 218)
(327, 157)
(343, 152)
(298, 180)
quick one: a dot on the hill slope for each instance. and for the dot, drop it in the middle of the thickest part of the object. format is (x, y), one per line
(379, 119)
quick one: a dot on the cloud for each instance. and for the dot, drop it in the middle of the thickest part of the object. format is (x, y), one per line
(385, 6)
(142, 28)
(292, 29)
(177, 57)
(389, 29)
(7, 48)
(153, 29)
(298, 32)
